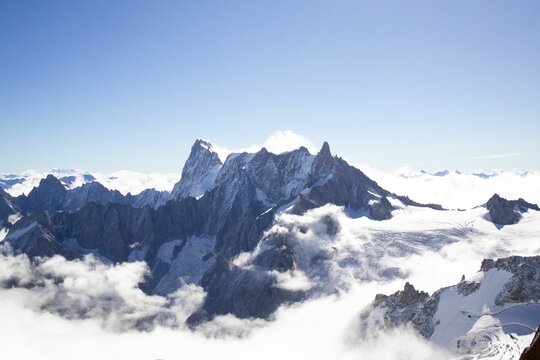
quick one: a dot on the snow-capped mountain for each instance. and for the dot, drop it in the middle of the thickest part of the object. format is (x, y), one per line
(451, 189)
(234, 204)
(261, 230)
(199, 172)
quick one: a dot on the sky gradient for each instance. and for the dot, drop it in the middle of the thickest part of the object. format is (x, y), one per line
(109, 85)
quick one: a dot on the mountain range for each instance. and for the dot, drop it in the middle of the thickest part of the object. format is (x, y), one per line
(241, 230)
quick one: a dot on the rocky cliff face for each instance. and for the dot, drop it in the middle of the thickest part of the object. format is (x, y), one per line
(507, 212)
(48, 196)
(199, 172)
(33, 235)
(6, 207)
(408, 306)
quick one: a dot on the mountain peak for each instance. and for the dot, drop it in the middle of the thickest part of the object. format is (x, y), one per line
(49, 194)
(323, 163)
(507, 212)
(199, 172)
(50, 184)
(202, 144)
(325, 150)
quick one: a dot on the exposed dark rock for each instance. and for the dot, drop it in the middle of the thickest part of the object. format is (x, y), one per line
(278, 256)
(6, 207)
(381, 210)
(244, 293)
(507, 212)
(406, 306)
(466, 288)
(405, 200)
(48, 196)
(91, 192)
(532, 352)
(33, 235)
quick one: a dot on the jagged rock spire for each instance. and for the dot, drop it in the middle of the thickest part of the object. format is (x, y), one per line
(325, 150)
(323, 163)
(199, 172)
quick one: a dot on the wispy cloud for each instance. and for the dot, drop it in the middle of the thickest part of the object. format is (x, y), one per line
(494, 156)
(278, 142)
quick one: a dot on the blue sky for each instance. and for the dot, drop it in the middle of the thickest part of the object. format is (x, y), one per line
(108, 85)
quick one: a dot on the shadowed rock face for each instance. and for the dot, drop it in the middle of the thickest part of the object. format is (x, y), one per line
(34, 236)
(381, 210)
(6, 206)
(241, 292)
(48, 196)
(533, 351)
(507, 212)
(231, 203)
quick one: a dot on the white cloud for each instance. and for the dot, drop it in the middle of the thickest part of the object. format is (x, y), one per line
(317, 329)
(494, 156)
(223, 152)
(134, 182)
(287, 140)
(458, 190)
(294, 280)
(277, 143)
(81, 289)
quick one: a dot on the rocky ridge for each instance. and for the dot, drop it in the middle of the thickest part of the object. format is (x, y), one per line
(215, 212)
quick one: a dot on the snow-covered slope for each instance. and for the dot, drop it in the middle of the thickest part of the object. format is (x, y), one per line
(492, 313)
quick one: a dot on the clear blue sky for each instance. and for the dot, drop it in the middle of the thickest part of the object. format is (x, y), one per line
(109, 85)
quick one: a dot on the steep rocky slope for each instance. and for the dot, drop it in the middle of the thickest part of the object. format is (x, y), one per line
(214, 213)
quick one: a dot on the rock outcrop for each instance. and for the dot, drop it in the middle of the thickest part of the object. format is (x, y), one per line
(507, 212)
(6, 207)
(533, 351)
(408, 306)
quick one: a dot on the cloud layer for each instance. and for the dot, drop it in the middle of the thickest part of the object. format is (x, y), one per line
(454, 190)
